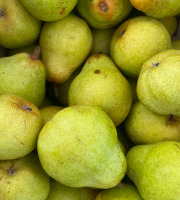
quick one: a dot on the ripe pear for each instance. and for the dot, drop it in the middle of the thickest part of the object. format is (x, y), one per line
(145, 127)
(101, 40)
(79, 147)
(62, 192)
(135, 41)
(20, 124)
(65, 45)
(101, 83)
(157, 8)
(23, 179)
(123, 191)
(158, 83)
(18, 27)
(102, 14)
(23, 75)
(154, 168)
(48, 10)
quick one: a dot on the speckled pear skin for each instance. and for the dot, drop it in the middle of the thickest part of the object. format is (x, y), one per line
(101, 83)
(154, 168)
(79, 147)
(48, 10)
(145, 127)
(123, 191)
(137, 40)
(157, 8)
(15, 32)
(63, 192)
(102, 14)
(158, 83)
(65, 44)
(23, 179)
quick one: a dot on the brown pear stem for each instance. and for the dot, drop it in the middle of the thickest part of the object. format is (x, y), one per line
(36, 53)
(103, 6)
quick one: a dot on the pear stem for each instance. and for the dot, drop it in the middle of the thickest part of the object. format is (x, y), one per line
(103, 6)
(36, 53)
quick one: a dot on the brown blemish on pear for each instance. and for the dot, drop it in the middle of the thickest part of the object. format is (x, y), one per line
(2, 13)
(62, 11)
(155, 64)
(97, 71)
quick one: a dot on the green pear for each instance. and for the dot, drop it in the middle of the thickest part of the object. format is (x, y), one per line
(145, 127)
(18, 27)
(135, 41)
(65, 45)
(20, 124)
(59, 191)
(23, 75)
(79, 147)
(176, 44)
(102, 14)
(101, 40)
(101, 83)
(48, 112)
(23, 179)
(154, 168)
(157, 8)
(124, 191)
(158, 83)
(48, 10)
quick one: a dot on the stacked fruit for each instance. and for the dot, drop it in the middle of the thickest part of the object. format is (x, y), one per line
(89, 100)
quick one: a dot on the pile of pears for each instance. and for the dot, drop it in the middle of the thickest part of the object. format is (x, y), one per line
(89, 100)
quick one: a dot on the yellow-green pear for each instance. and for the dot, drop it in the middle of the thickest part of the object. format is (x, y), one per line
(145, 127)
(20, 124)
(24, 75)
(101, 83)
(123, 191)
(48, 112)
(135, 41)
(79, 147)
(18, 27)
(154, 168)
(65, 44)
(23, 179)
(102, 14)
(59, 191)
(157, 8)
(158, 84)
(49, 10)
(101, 40)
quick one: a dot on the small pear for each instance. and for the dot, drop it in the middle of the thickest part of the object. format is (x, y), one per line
(60, 191)
(20, 124)
(18, 27)
(101, 83)
(65, 44)
(145, 127)
(47, 10)
(154, 168)
(23, 179)
(24, 75)
(79, 147)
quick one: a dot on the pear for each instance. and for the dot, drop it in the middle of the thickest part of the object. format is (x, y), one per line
(145, 127)
(23, 179)
(23, 75)
(101, 83)
(79, 147)
(123, 191)
(18, 27)
(154, 168)
(60, 191)
(158, 83)
(157, 8)
(47, 10)
(102, 14)
(65, 45)
(101, 40)
(20, 124)
(135, 41)
(48, 112)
